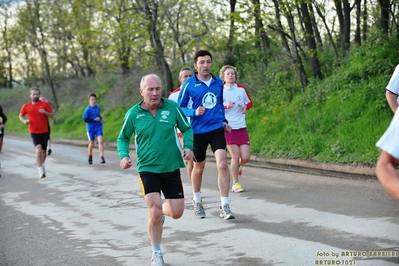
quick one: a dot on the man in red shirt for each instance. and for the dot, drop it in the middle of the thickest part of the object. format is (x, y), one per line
(38, 114)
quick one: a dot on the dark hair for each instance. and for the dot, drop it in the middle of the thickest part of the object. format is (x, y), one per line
(91, 95)
(1, 109)
(201, 53)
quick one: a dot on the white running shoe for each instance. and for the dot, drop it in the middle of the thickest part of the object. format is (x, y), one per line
(41, 174)
(157, 259)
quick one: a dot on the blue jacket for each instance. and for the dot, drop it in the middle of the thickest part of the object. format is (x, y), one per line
(201, 95)
(88, 116)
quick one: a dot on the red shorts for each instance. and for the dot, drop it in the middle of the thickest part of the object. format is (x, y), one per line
(237, 136)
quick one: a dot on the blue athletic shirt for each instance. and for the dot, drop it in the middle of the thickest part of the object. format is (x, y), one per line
(89, 114)
(201, 95)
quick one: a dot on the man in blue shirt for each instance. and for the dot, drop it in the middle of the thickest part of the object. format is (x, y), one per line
(94, 127)
(209, 124)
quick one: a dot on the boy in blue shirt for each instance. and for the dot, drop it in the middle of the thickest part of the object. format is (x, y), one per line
(94, 127)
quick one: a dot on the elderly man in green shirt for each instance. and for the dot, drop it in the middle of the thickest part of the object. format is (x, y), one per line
(153, 121)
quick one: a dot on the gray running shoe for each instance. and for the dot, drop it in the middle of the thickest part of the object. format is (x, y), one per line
(198, 209)
(226, 213)
(157, 259)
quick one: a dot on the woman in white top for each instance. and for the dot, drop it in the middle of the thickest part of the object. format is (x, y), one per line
(236, 101)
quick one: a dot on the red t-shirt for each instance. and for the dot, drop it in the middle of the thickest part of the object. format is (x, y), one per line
(37, 121)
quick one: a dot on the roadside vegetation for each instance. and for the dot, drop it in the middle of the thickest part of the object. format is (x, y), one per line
(338, 119)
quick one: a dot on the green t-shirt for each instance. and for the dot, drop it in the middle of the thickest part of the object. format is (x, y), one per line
(157, 144)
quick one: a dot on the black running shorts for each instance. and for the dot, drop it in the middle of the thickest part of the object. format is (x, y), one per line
(169, 183)
(40, 139)
(201, 141)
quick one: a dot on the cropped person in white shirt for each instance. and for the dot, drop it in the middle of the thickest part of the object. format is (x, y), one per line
(236, 101)
(392, 90)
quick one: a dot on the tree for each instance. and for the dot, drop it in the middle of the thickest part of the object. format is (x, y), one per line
(385, 8)
(7, 43)
(123, 20)
(33, 17)
(151, 16)
(358, 5)
(261, 41)
(311, 43)
(326, 26)
(343, 13)
(295, 57)
(230, 42)
(365, 17)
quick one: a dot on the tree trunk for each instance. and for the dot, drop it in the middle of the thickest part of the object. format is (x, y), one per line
(340, 16)
(315, 27)
(347, 25)
(297, 65)
(385, 7)
(262, 41)
(297, 60)
(365, 17)
(311, 43)
(7, 41)
(283, 36)
(151, 17)
(10, 69)
(230, 42)
(330, 37)
(358, 39)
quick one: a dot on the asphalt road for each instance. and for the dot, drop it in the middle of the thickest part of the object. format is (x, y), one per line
(85, 214)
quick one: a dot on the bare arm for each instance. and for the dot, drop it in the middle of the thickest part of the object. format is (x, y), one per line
(49, 115)
(392, 101)
(387, 174)
(23, 120)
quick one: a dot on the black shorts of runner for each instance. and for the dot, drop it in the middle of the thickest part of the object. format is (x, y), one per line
(40, 139)
(169, 183)
(201, 141)
(2, 133)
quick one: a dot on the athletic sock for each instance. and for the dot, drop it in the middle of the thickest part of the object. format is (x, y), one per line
(197, 196)
(224, 200)
(156, 247)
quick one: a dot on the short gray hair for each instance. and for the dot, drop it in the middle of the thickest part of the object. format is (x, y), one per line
(35, 89)
(184, 68)
(143, 79)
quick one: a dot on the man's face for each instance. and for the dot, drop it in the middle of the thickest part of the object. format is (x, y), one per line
(203, 66)
(185, 74)
(34, 96)
(92, 101)
(152, 91)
